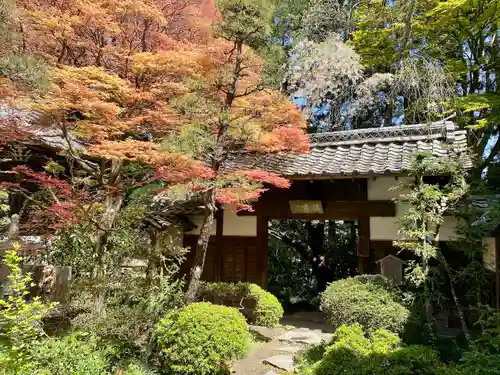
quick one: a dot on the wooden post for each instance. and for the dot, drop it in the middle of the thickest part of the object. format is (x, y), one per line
(363, 249)
(263, 235)
(219, 245)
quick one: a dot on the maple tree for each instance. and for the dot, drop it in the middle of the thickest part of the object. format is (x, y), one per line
(159, 84)
(96, 105)
(238, 114)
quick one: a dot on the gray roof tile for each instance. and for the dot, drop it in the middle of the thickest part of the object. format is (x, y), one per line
(375, 151)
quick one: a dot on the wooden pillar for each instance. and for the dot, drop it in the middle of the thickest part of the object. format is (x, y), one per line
(363, 249)
(219, 245)
(263, 236)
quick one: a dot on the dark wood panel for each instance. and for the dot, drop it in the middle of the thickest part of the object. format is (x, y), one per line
(363, 249)
(240, 272)
(209, 268)
(218, 266)
(252, 263)
(323, 190)
(230, 259)
(333, 210)
(228, 264)
(262, 250)
(341, 199)
(357, 209)
(209, 272)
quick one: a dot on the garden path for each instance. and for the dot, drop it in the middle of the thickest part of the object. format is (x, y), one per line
(274, 353)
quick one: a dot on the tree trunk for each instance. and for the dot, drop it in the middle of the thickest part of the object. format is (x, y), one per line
(201, 248)
(495, 55)
(332, 230)
(389, 113)
(154, 256)
(218, 157)
(316, 239)
(429, 315)
(407, 30)
(111, 208)
(458, 305)
(112, 205)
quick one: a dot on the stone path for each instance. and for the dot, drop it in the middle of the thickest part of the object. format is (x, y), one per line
(274, 353)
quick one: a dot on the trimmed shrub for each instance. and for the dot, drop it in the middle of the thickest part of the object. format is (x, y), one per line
(351, 352)
(268, 310)
(71, 355)
(368, 301)
(260, 307)
(201, 339)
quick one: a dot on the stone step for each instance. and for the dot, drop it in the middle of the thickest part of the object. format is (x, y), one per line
(282, 362)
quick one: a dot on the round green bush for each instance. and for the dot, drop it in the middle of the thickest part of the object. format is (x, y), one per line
(352, 352)
(268, 310)
(201, 339)
(368, 301)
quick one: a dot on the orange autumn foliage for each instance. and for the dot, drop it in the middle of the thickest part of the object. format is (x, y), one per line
(169, 88)
(128, 73)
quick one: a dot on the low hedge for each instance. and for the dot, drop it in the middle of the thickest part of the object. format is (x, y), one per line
(75, 354)
(201, 339)
(351, 352)
(368, 300)
(259, 306)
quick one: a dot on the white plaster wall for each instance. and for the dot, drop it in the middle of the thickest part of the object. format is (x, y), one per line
(234, 225)
(380, 187)
(386, 228)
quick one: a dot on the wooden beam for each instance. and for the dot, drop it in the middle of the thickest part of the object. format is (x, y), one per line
(332, 210)
(345, 177)
(363, 249)
(315, 177)
(363, 265)
(263, 237)
(377, 208)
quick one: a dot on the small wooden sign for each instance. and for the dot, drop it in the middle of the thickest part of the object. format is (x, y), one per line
(306, 207)
(392, 268)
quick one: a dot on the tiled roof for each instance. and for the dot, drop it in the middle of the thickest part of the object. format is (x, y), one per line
(37, 133)
(364, 152)
(486, 206)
